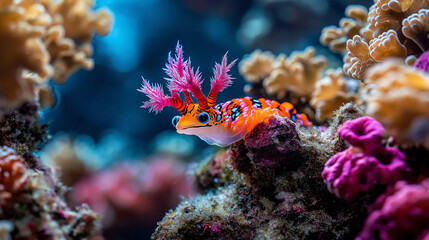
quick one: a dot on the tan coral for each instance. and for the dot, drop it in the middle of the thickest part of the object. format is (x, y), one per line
(12, 173)
(74, 21)
(296, 74)
(40, 39)
(389, 14)
(355, 22)
(416, 28)
(331, 93)
(21, 28)
(398, 97)
(362, 55)
(386, 45)
(256, 66)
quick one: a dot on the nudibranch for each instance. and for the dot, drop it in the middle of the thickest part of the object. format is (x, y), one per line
(217, 124)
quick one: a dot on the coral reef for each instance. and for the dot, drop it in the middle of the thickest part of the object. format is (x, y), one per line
(394, 89)
(214, 173)
(422, 62)
(32, 206)
(336, 37)
(21, 131)
(289, 79)
(400, 213)
(277, 191)
(389, 29)
(366, 163)
(44, 39)
(331, 92)
(134, 192)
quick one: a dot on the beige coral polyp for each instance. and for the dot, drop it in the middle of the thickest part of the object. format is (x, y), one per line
(416, 28)
(398, 97)
(256, 66)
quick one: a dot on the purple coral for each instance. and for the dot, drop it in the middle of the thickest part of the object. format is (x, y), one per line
(401, 213)
(422, 62)
(365, 164)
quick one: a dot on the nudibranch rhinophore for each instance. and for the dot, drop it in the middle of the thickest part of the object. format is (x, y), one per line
(217, 124)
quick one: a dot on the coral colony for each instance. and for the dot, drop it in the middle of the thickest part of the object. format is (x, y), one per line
(359, 171)
(312, 152)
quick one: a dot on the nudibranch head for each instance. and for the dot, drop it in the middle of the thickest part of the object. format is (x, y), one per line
(196, 118)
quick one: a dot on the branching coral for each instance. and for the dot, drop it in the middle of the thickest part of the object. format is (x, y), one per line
(43, 39)
(336, 37)
(287, 78)
(389, 14)
(401, 213)
(365, 164)
(416, 28)
(361, 55)
(31, 202)
(398, 97)
(331, 92)
(256, 66)
(395, 28)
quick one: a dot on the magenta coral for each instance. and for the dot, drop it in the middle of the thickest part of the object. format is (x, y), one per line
(422, 62)
(401, 213)
(364, 132)
(365, 164)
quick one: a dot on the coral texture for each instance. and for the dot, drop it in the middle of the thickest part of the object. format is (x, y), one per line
(32, 205)
(336, 37)
(331, 92)
(390, 29)
(20, 130)
(401, 213)
(12, 173)
(365, 164)
(422, 62)
(289, 79)
(133, 192)
(393, 89)
(277, 192)
(44, 39)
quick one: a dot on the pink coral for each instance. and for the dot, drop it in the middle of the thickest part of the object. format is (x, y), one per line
(423, 62)
(401, 213)
(135, 190)
(365, 164)
(363, 132)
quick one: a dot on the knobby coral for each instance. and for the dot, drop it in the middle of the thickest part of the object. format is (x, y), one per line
(41, 39)
(336, 37)
(393, 90)
(289, 79)
(331, 92)
(390, 29)
(365, 164)
(401, 213)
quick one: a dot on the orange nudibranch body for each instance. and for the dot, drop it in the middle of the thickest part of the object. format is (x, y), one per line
(231, 121)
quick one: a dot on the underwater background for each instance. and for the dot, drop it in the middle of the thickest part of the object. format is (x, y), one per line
(81, 159)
